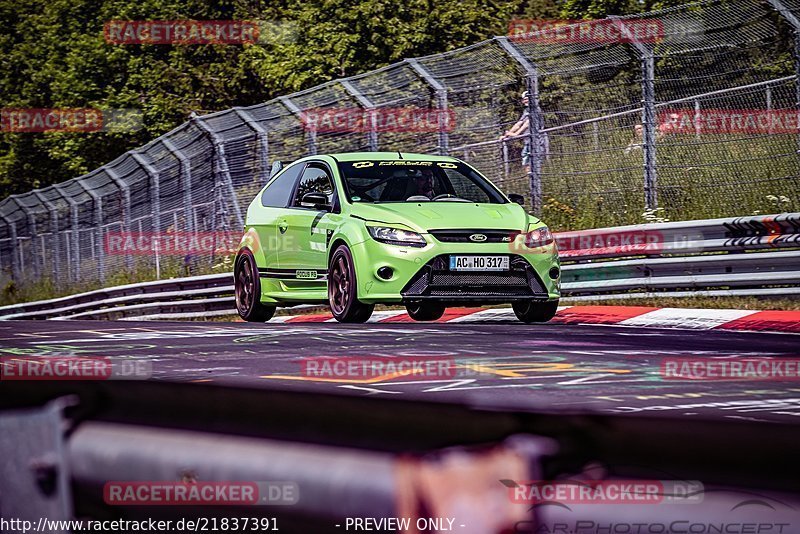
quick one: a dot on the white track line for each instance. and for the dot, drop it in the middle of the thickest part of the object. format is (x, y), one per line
(693, 319)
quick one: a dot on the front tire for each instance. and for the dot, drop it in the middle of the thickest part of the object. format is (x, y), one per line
(342, 289)
(425, 311)
(531, 311)
(248, 290)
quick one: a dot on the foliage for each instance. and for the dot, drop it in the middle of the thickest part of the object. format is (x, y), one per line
(55, 56)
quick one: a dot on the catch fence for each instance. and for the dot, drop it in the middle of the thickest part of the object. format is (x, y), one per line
(701, 122)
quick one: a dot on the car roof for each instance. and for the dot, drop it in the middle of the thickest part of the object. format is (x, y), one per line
(384, 156)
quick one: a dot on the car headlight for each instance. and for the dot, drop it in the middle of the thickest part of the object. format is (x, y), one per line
(396, 236)
(538, 237)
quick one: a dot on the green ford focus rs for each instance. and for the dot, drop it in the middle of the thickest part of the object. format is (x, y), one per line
(358, 229)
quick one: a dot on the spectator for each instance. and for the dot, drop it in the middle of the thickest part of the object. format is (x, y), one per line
(670, 125)
(522, 128)
(636, 142)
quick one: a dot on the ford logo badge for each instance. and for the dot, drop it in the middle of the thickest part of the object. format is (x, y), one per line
(477, 237)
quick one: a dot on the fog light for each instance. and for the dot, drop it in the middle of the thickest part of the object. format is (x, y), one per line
(554, 272)
(385, 272)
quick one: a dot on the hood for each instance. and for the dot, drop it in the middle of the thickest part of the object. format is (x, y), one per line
(425, 216)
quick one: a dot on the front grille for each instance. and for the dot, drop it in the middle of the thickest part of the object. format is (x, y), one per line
(462, 236)
(478, 293)
(434, 279)
(417, 285)
(506, 278)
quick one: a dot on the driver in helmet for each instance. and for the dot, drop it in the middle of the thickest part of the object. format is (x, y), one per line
(424, 182)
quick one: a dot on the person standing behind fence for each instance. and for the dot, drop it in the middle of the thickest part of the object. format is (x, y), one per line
(522, 127)
(669, 125)
(636, 142)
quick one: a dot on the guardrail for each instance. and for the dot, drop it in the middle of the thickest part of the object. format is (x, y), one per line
(212, 293)
(717, 257)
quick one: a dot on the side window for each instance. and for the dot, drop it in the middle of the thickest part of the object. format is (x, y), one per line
(315, 180)
(277, 194)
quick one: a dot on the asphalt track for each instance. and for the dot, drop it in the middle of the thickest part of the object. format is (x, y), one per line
(556, 367)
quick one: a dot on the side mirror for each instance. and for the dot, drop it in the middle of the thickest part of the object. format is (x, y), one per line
(276, 168)
(317, 201)
(519, 199)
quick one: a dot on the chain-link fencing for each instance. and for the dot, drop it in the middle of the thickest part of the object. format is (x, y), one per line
(700, 122)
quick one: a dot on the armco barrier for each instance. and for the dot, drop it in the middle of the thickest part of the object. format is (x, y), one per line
(739, 234)
(147, 295)
(351, 456)
(746, 256)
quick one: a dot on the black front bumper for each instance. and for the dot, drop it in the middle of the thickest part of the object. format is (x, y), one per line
(435, 281)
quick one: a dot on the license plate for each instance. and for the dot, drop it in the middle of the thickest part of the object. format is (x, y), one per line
(478, 263)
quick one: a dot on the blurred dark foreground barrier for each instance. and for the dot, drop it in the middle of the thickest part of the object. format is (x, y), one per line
(325, 462)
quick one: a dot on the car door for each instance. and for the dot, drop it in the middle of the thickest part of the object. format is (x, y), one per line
(305, 232)
(274, 200)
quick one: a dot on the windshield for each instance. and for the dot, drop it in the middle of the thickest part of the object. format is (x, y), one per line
(416, 181)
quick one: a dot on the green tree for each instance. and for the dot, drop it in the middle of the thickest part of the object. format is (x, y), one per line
(54, 55)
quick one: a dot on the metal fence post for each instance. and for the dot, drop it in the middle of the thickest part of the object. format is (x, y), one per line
(263, 142)
(697, 116)
(35, 258)
(794, 22)
(648, 114)
(441, 99)
(15, 266)
(534, 122)
(53, 215)
(155, 203)
(649, 130)
(98, 221)
(75, 258)
(506, 161)
(796, 25)
(297, 112)
(221, 167)
(369, 107)
(186, 182)
(126, 208)
(155, 191)
(62, 235)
